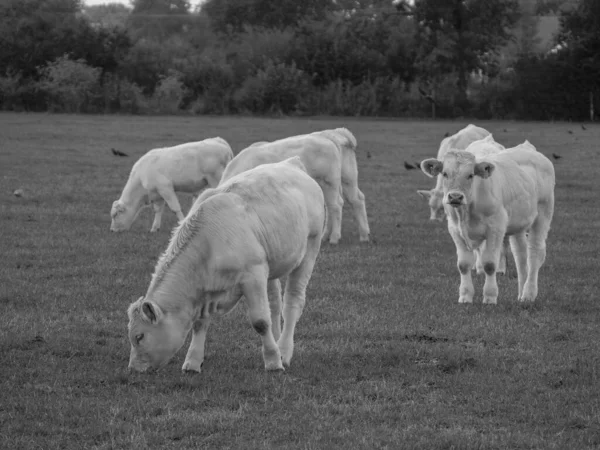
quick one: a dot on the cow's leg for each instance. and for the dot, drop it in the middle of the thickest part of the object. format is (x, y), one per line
(195, 354)
(335, 204)
(536, 252)
(502, 267)
(465, 261)
(167, 192)
(478, 264)
(294, 299)
(490, 255)
(158, 205)
(357, 199)
(518, 246)
(274, 292)
(255, 290)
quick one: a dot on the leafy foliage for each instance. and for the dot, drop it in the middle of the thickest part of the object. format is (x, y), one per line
(453, 36)
(358, 57)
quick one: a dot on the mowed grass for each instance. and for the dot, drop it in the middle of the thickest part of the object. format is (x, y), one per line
(385, 357)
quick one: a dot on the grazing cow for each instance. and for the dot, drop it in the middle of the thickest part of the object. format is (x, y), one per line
(322, 159)
(347, 144)
(458, 141)
(161, 172)
(238, 239)
(506, 193)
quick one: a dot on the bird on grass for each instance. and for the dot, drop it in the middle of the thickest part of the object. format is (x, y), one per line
(570, 132)
(555, 156)
(118, 153)
(583, 127)
(408, 166)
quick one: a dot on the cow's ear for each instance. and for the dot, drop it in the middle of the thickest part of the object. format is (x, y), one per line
(425, 194)
(484, 169)
(432, 167)
(151, 312)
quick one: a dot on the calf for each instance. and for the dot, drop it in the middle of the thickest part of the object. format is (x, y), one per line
(322, 159)
(507, 193)
(161, 172)
(238, 239)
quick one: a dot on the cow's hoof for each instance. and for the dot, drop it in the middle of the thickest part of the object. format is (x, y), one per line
(192, 367)
(275, 367)
(488, 300)
(465, 299)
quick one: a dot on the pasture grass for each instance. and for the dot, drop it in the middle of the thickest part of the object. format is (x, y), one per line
(385, 356)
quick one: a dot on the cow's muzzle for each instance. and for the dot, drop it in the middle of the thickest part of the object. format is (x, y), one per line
(455, 198)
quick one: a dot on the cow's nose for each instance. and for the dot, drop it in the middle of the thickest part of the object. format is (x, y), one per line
(455, 197)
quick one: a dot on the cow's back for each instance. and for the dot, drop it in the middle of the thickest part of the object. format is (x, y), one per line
(318, 154)
(184, 164)
(461, 139)
(269, 211)
(536, 165)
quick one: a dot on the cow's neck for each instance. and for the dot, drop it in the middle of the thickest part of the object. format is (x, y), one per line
(460, 215)
(134, 193)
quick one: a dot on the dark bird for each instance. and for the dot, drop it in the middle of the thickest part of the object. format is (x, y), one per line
(555, 156)
(583, 127)
(408, 166)
(505, 130)
(118, 153)
(368, 154)
(447, 134)
(570, 132)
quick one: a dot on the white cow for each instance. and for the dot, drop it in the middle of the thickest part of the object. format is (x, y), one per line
(322, 159)
(506, 193)
(482, 148)
(347, 144)
(458, 141)
(161, 172)
(238, 239)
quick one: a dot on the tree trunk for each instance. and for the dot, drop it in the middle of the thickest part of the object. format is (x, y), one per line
(462, 82)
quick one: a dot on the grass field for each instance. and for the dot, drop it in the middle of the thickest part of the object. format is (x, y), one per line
(385, 356)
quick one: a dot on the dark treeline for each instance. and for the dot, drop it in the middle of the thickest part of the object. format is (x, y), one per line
(422, 58)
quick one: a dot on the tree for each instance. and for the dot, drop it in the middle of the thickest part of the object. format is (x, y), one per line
(109, 15)
(34, 32)
(454, 35)
(235, 15)
(159, 19)
(580, 39)
(161, 7)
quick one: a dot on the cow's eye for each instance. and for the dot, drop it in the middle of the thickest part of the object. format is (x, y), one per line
(138, 338)
(444, 174)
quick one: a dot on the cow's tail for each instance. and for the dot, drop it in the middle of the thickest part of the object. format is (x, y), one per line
(326, 215)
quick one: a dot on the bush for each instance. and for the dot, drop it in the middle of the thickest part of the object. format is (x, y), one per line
(209, 83)
(278, 88)
(71, 86)
(121, 95)
(19, 94)
(168, 94)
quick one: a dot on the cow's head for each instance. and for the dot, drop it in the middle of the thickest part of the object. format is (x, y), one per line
(123, 215)
(434, 198)
(155, 335)
(458, 169)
